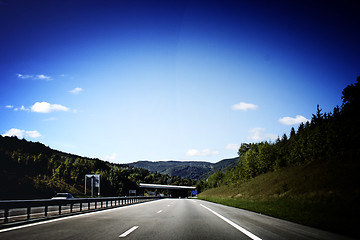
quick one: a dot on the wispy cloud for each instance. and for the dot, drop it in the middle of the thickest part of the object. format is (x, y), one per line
(21, 133)
(22, 108)
(76, 90)
(293, 121)
(43, 77)
(259, 134)
(111, 157)
(232, 146)
(34, 77)
(9, 106)
(24, 76)
(202, 153)
(49, 119)
(45, 107)
(243, 106)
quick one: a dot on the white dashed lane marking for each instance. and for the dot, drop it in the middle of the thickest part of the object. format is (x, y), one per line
(128, 232)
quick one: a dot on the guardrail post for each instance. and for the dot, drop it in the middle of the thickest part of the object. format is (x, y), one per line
(89, 205)
(59, 209)
(28, 212)
(6, 215)
(95, 204)
(80, 206)
(71, 207)
(101, 202)
(46, 210)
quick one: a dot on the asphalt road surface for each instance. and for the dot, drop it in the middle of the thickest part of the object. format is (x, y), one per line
(166, 219)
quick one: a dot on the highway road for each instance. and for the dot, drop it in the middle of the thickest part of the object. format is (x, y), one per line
(166, 219)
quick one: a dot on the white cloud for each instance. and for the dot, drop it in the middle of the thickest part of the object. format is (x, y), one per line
(43, 77)
(293, 121)
(22, 108)
(111, 158)
(232, 146)
(243, 106)
(204, 152)
(22, 133)
(35, 77)
(45, 107)
(33, 134)
(9, 106)
(76, 90)
(50, 119)
(259, 134)
(24, 76)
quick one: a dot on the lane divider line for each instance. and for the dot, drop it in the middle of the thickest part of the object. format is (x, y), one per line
(128, 232)
(244, 231)
(159, 211)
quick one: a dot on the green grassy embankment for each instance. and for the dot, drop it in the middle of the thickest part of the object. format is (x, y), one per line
(323, 195)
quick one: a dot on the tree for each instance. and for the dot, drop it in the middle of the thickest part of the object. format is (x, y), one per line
(351, 94)
(244, 148)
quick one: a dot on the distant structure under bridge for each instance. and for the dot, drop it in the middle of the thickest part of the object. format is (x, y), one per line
(167, 190)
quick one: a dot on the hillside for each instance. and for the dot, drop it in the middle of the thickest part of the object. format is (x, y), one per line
(33, 170)
(186, 169)
(309, 177)
(322, 194)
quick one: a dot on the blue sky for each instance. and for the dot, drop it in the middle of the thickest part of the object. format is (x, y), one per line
(170, 80)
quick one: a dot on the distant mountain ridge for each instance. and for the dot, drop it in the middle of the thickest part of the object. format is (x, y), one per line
(186, 169)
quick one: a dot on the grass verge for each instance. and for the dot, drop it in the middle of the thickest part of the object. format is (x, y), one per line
(313, 195)
(328, 216)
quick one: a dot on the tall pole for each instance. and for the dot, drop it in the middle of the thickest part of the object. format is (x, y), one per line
(99, 187)
(85, 184)
(92, 186)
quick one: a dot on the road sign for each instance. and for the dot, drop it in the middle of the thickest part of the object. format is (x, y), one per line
(93, 177)
(94, 181)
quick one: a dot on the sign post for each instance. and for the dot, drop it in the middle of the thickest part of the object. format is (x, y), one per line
(94, 180)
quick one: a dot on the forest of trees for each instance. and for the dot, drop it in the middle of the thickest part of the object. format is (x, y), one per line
(331, 137)
(32, 170)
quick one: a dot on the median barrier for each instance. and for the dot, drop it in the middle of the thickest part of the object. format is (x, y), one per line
(19, 210)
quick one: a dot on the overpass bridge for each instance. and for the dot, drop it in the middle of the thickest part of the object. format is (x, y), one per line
(172, 190)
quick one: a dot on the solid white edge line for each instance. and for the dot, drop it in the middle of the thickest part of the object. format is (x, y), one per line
(159, 211)
(69, 217)
(128, 232)
(246, 232)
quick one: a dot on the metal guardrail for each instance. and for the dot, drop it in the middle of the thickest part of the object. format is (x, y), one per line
(83, 204)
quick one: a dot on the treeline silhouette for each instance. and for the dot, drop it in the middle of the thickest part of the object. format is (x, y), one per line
(33, 170)
(331, 137)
